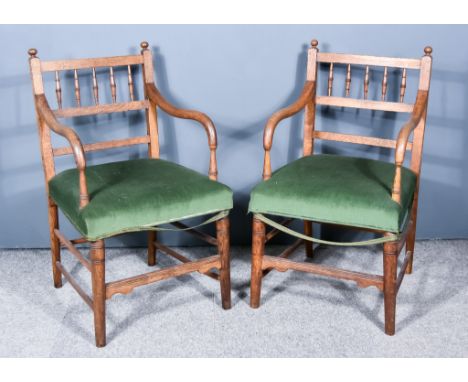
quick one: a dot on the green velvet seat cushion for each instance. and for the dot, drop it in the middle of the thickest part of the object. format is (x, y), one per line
(131, 195)
(336, 189)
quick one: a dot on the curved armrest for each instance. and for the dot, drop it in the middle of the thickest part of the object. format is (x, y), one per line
(402, 141)
(306, 96)
(289, 111)
(48, 117)
(157, 98)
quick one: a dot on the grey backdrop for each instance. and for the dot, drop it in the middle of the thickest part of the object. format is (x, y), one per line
(238, 75)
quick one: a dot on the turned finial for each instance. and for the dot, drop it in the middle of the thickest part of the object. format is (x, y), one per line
(428, 50)
(314, 43)
(32, 52)
(144, 45)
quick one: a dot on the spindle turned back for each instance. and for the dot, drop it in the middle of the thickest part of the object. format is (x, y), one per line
(90, 66)
(366, 65)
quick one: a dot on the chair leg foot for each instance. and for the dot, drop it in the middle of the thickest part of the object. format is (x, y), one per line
(258, 247)
(152, 237)
(222, 234)
(54, 245)
(308, 245)
(390, 275)
(99, 291)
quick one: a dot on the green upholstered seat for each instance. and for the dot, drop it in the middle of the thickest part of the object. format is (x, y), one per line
(336, 189)
(131, 195)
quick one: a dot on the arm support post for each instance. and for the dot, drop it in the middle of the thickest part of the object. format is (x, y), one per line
(157, 98)
(307, 93)
(48, 117)
(402, 141)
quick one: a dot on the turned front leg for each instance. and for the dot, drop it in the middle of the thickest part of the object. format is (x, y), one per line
(222, 234)
(98, 272)
(258, 247)
(390, 258)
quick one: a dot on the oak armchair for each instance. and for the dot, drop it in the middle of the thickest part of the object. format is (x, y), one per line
(109, 199)
(366, 194)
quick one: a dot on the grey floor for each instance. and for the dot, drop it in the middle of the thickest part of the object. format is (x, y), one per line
(301, 315)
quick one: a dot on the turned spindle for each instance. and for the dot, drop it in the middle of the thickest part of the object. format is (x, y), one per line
(384, 83)
(348, 80)
(403, 85)
(330, 80)
(112, 85)
(366, 83)
(77, 89)
(130, 83)
(95, 88)
(58, 89)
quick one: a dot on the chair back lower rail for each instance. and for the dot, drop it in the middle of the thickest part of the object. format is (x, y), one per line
(105, 145)
(101, 109)
(358, 139)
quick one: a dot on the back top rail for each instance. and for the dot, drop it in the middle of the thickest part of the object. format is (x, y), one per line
(88, 63)
(91, 64)
(366, 62)
(353, 59)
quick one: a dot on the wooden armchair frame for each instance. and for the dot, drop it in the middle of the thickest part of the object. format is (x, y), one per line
(47, 123)
(390, 282)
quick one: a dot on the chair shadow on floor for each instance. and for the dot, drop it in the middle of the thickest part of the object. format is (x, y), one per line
(438, 278)
(414, 289)
(159, 293)
(421, 299)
